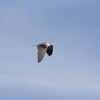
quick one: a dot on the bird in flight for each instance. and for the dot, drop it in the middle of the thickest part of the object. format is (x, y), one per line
(42, 49)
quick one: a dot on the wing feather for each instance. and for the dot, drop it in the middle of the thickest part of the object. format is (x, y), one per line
(41, 53)
(49, 50)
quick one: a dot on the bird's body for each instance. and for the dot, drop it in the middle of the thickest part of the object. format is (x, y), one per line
(44, 48)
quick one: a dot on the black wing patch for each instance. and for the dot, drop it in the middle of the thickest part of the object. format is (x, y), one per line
(49, 50)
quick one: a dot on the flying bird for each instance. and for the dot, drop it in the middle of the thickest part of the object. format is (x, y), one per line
(43, 48)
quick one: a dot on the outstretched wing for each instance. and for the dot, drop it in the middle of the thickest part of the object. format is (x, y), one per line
(49, 50)
(41, 53)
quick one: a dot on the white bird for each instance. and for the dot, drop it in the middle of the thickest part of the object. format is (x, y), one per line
(42, 49)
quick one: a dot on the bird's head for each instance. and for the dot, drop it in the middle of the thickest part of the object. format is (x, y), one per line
(48, 44)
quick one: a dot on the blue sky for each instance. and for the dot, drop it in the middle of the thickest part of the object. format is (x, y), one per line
(72, 72)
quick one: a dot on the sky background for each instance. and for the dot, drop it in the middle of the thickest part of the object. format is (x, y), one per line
(72, 72)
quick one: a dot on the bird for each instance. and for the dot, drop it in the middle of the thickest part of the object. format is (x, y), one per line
(43, 48)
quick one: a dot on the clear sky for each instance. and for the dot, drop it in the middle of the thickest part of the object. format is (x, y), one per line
(72, 72)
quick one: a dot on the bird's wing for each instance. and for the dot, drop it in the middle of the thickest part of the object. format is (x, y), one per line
(41, 53)
(49, 50)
